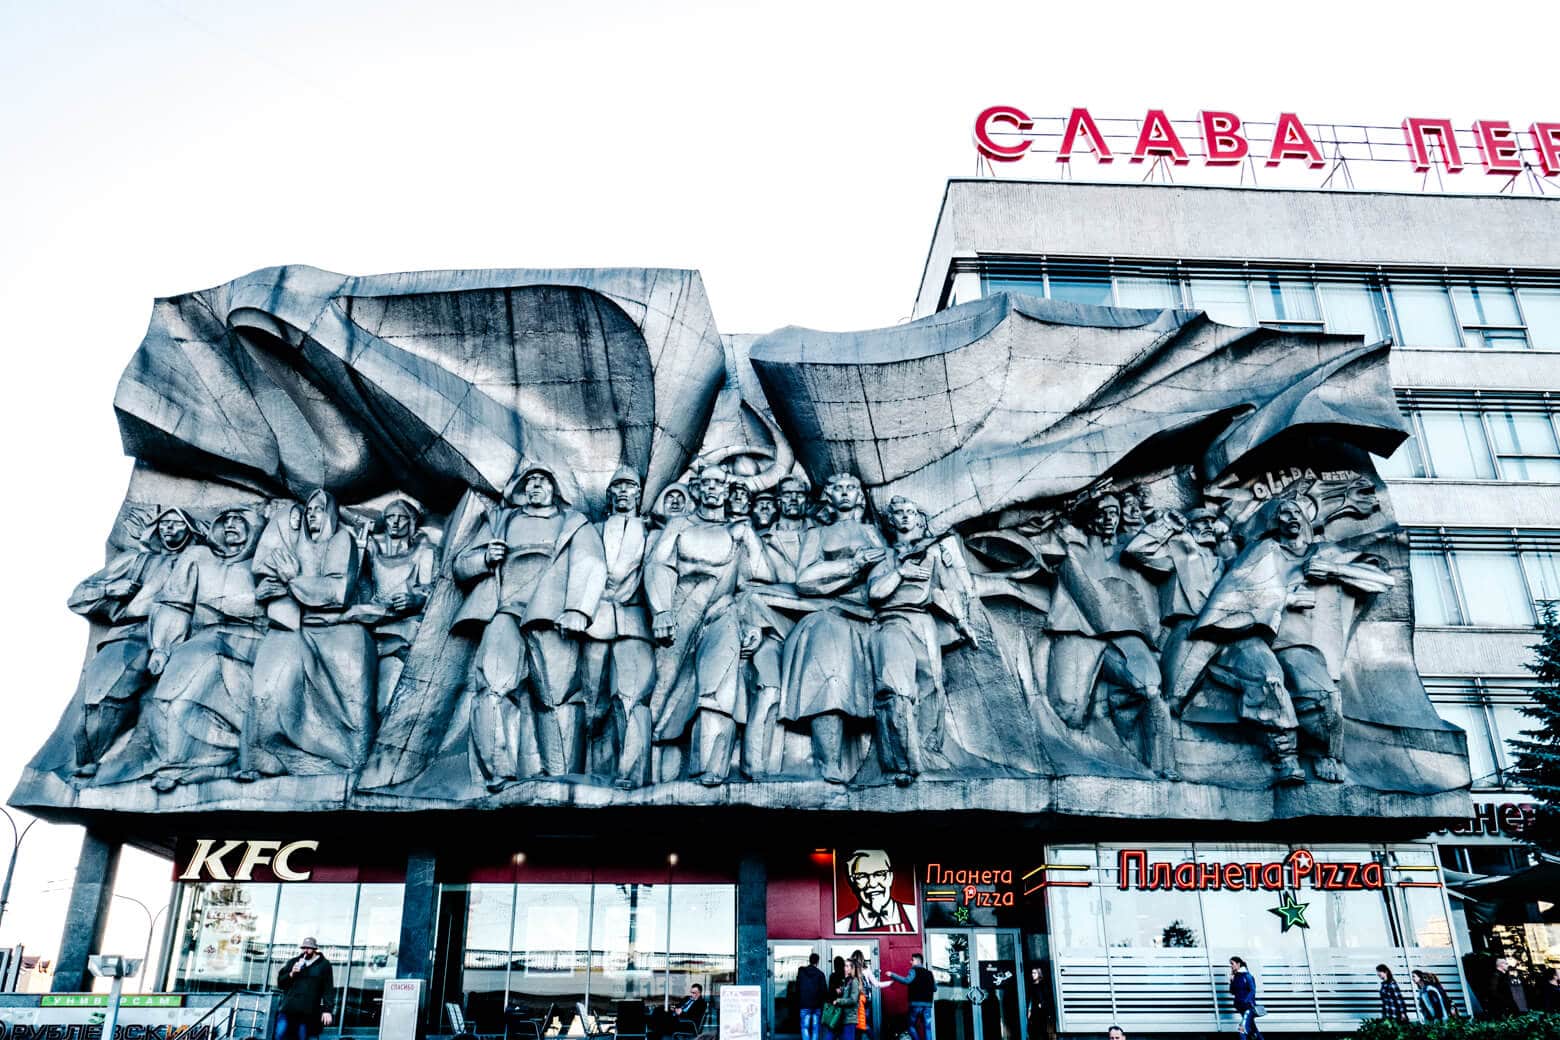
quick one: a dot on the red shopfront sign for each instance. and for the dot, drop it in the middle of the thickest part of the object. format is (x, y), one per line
(1299, 869)
(1005, 133)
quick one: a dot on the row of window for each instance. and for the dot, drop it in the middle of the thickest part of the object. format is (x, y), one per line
(1494, 580)
(1470, 437)
(1413, 310)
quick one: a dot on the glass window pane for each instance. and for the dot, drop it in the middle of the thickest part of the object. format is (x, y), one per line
(1467, 715)
(1523, 433)
(1151, 920)
(1241, 920)
(1354, 307)
(1073, 914)
(485, 973)
(704, 937)
(1435, 602)
(1023, 285)
(1493, 588)
(1454, 442)
(551, 948)
(1495, 339)
(1427, 923)
(628, 935)
(1509, 724)
(1405, 462)
(224, 939)
(1347, 919)
(1225, 300)
(1285, 299)
(1424, 316)
(1081, 288)
(1543, 573)
(1148, 292)
(376, 939)
(1486, 305)
(1541, 307)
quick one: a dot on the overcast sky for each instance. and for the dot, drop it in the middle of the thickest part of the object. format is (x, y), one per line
(794, 152)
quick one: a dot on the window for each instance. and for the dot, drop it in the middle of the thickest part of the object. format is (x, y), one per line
(1541, 308)
(1491, 578)
(1489, 316)
(1354, 307)
(1489, 711)
(1092, 289)
(1459, 435)
(1226, 300)
(1286, 302)
(1424, 316)
(1148, 292)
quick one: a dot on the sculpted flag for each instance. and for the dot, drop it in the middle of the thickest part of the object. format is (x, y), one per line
(493, 538)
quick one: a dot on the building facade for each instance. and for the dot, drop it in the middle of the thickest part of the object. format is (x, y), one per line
(1082, 828)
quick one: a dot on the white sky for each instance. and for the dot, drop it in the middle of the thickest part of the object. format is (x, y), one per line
(794, 152)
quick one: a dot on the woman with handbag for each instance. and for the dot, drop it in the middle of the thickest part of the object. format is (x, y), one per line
(1243, 991)
(841, 1015)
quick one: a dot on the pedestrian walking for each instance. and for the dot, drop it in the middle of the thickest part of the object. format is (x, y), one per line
(1434, 1003)
(1243, 991)
(870, 983)
(1549, 995)
(307, 984)
(918, 980)
(1392, 1004)
(812, 990)
(1507, 996)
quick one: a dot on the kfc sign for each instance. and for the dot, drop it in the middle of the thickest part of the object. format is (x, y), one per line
(215, 859)
(1004, 133)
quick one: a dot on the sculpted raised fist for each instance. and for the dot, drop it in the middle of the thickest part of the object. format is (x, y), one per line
(496, 551)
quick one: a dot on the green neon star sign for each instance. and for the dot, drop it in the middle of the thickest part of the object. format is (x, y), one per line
(1290, 912)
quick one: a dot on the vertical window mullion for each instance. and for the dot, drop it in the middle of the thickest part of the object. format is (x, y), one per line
(1492, 738)
(1456, 579)
(1489, 438)
(1388, 309)
(1112, 274)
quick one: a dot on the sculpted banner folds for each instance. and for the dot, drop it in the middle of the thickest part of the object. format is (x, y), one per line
(490, 538)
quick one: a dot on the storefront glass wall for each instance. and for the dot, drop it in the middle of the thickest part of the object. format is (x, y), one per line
(1158, 960)
(535, 951)
(238, 936)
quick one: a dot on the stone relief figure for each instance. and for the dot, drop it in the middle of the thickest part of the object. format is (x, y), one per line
(766, 509)
(617, 666)
(534, 572)
(314, 671)
(696, 583)
(1104, 629)
(826, 673)
(121, 596)
(1188, 546)
(739, 503)
(206, 628)
(674, 500)
(401, 567)
(924, 596)
(1275, 627)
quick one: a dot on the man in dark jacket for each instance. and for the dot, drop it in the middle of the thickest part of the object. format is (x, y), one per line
(812, 989)
(1507, 997)
(307, 985)
(923, 987)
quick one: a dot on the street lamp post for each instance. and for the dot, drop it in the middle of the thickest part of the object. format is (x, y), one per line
(16, 848)
(151, 928)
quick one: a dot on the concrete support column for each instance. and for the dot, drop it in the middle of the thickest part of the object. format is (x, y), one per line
(753, 924)
(87, 916)
(419, 915)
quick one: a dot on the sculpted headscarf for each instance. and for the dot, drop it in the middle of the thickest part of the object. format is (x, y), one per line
(152, 541)
(218, 544)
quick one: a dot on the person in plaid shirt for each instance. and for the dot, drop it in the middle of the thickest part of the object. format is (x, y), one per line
(1392, 1004)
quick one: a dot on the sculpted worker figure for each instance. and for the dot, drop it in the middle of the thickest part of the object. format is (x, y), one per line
(205, 630)
(121, 596)
(922, 587)
(314, 670)
(1282, 612)
(1102, 662)
(401, 569)
(618, 666)
(827, 670)
(695, 582)
(535, 571)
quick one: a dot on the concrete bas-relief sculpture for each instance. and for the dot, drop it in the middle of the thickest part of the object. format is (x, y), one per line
(490, 538)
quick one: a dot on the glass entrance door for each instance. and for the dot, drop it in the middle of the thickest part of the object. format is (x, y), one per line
(786, 958)
(980, 983)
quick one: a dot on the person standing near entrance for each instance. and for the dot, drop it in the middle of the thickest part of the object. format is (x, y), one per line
(850, 999)
(307, 985)
(1243, 991)
(812, 989)
(922, 987)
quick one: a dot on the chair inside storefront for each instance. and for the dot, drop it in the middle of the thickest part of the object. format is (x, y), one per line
(631, 1020)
